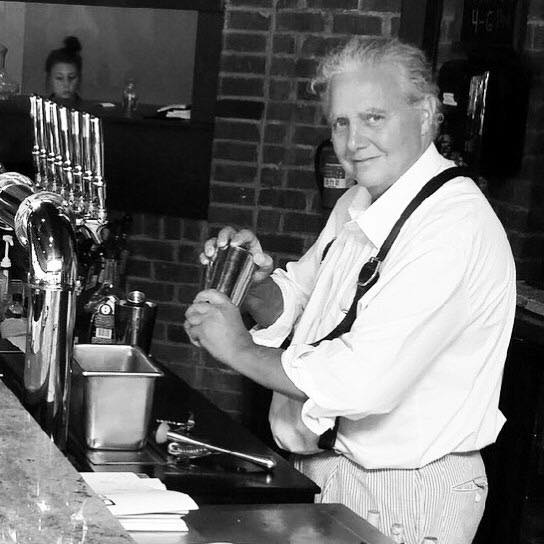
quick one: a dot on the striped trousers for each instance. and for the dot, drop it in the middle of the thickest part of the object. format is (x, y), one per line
(444, 499)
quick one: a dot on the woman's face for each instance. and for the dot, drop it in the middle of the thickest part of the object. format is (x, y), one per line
(64, 80)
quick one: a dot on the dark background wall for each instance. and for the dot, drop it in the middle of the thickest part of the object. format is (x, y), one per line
(262, 171)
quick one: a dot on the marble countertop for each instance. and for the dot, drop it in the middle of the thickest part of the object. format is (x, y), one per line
(43, 499)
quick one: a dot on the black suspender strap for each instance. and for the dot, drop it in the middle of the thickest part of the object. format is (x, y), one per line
(370, 272)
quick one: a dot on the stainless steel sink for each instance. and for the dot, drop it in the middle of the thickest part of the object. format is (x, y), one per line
(112, 396)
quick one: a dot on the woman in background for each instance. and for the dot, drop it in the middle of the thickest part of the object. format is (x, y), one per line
(63, 72)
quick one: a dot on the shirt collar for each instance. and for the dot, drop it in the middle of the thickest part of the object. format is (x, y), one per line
(377, 219)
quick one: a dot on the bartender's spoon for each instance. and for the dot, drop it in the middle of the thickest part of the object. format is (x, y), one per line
(164, 433)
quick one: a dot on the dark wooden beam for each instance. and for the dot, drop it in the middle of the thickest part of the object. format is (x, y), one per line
(196, 5)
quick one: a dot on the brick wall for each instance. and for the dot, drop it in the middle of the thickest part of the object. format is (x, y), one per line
(262, 171)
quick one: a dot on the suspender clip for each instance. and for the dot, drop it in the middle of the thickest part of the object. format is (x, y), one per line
(370, 272)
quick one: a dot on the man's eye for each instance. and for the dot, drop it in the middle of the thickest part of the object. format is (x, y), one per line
(374, 118)
(339, 124)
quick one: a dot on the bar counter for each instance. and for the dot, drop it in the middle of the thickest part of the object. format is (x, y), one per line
(42, 496)
(44, 499)
(214, 479)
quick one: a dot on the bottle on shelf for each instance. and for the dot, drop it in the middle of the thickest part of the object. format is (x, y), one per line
(101, 307)
(130, 98)
(90, 271)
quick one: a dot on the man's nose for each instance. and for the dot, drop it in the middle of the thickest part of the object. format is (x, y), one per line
(357, 137)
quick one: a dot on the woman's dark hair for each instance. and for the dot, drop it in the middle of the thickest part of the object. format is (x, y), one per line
(68, 54)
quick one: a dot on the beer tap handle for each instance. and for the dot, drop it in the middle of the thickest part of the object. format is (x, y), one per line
(77, 160)
(86, 155)
(34, 117)
(35, 140)
(97, 148)
(98, 167)
(65, 141)
(59, 173)
(55, 129)
(47, 127)
(76, 143)
(66, 152)
(49, 146)
(42, 142)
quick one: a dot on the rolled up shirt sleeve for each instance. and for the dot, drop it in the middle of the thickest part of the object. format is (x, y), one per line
(293, 304)
(403, 323)
(296, 283)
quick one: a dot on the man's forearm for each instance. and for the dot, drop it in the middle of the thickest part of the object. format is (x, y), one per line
(264, 302)
(263, 365)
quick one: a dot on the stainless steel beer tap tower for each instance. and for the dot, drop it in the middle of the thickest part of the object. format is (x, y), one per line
(68, 194)
(43, 224)
(68, 155)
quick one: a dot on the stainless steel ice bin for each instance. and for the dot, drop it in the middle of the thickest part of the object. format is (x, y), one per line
(112, 396)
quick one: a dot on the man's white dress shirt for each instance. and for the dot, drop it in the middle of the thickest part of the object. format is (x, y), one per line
(418, 375)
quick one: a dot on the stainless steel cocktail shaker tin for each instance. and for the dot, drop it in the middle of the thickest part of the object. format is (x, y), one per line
(135, 321)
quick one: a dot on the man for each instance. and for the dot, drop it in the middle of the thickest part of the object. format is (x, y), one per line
(416, 379)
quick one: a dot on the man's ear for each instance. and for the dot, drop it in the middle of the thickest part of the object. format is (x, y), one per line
(427, 108)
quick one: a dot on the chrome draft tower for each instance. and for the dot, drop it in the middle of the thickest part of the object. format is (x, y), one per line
(44, 225)
(68, 194)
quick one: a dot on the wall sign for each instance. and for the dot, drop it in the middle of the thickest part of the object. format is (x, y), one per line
(490, 22)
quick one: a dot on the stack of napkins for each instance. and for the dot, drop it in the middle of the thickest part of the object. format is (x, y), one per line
(141, 503)
(178, 111)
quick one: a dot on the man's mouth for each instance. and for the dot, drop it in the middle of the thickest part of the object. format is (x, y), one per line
(364, 160)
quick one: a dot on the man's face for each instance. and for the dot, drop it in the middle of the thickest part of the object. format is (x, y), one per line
(376, 134)
(64, 80)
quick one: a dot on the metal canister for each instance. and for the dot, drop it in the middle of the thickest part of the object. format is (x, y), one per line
(135, 321)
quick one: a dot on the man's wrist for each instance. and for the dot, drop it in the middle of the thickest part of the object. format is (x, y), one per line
(264, 302)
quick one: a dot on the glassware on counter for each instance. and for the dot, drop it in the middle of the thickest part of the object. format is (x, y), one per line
(135, 321)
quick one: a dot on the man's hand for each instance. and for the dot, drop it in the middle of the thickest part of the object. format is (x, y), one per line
(244, 238)
(215, 324)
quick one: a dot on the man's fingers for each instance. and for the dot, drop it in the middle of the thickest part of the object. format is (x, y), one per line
(247, 239)
(210, 296)
(191, 334)
(193, 318)
(224, 236)
(262, 260)
(210, 247)
(196, 312)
